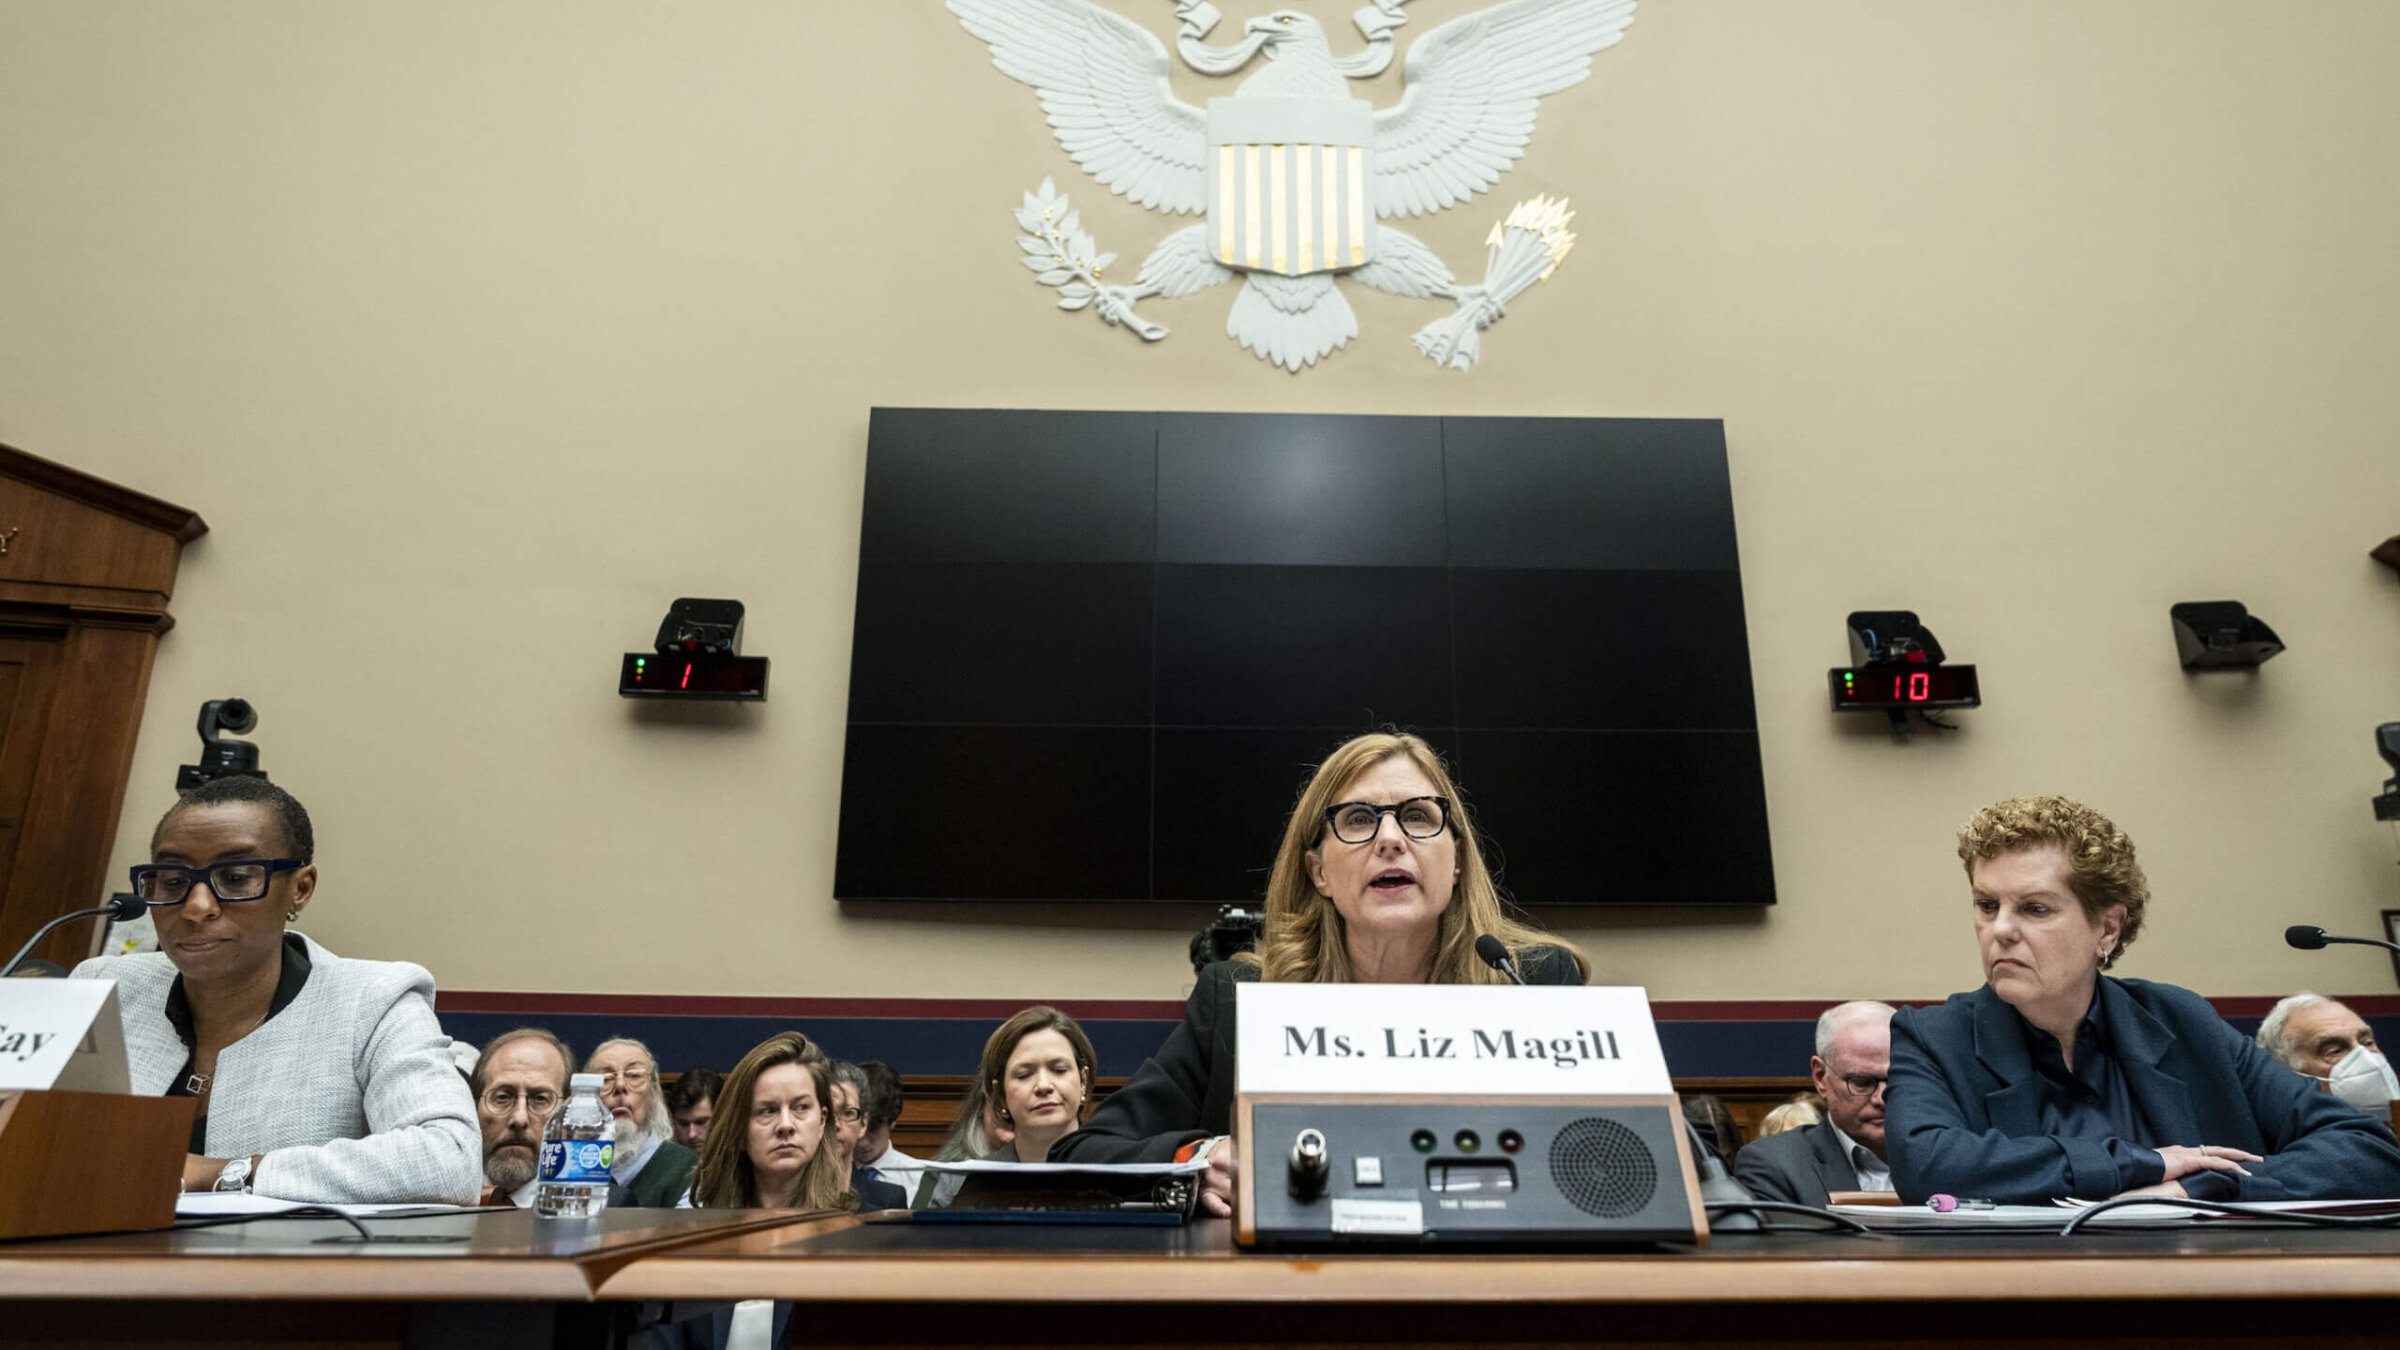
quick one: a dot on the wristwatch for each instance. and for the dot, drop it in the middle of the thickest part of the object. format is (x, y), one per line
(235, 1177)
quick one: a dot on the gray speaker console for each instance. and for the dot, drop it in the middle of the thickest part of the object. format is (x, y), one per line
(1435, 1172)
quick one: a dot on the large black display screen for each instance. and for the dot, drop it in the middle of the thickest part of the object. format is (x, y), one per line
(1097, 654)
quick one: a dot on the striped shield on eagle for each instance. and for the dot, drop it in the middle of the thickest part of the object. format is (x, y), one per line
(1290, 182)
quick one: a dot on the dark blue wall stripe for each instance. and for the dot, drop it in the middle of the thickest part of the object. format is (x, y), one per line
(953, 1045)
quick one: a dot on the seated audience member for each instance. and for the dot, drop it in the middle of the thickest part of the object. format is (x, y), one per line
(1039, 1067)
(2319, 1037)
(849, 1127)
(1379, 880)
(318, 1078)
(650, 1168)
(974, 1132)
(1845, 1151)
(1708, 1114)
(1030, 1090)
(519, 1080)
(774, 1149)
(876, 1156)
(1792, 1115)
(691, 1103)
(2054, 1080)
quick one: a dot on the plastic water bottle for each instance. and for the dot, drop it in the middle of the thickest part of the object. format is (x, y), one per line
(577, 1149)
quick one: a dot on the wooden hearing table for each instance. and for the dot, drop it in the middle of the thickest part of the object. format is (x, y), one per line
(877, 1283)
(470, 1276)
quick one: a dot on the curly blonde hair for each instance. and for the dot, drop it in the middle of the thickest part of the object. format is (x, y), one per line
(1305, 940)
(2101, 868)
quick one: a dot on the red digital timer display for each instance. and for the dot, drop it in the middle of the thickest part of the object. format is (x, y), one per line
(1883, 688)
(693, 675)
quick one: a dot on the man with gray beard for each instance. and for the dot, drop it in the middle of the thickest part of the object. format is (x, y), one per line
(518, 1081)
(651, 1170)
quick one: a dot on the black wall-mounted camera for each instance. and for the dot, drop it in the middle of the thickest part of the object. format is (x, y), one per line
(220, 756)
(1235, 931)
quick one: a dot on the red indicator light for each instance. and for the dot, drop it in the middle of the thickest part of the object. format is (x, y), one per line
(1920, 687)
(687, 676)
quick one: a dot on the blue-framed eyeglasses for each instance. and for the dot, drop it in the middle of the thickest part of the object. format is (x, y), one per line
(166, 885)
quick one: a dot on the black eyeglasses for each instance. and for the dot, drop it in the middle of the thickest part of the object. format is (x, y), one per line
(1863, 1084)
(1358, 822)
(166, 885)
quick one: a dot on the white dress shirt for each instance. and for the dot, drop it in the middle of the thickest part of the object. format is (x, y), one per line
(898, 1168)
(1874, 1174)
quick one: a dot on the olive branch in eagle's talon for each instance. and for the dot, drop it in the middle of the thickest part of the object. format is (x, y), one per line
(1060, 253)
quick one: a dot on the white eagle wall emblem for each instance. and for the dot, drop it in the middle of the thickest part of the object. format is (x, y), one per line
(1295, 177)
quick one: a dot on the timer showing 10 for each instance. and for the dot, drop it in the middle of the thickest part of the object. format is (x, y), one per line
(1883, 688)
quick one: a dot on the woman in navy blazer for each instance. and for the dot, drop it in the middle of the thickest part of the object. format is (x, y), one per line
(2055, 1080)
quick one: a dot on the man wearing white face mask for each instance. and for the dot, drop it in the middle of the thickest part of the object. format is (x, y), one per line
(2322, 1039)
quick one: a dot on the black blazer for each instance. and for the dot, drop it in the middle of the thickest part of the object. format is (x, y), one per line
(1963, 1114)
(1185, 1091)
(1798, 1167)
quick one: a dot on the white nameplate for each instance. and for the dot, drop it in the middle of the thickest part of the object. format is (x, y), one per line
(1485, 1039)
(62, 1034)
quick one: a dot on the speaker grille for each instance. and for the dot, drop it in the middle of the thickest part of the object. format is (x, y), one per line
(1603, 1168)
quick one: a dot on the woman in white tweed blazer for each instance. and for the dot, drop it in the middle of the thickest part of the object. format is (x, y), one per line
(318, 1078)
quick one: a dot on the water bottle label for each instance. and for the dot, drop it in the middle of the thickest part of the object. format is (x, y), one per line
(577, 1160)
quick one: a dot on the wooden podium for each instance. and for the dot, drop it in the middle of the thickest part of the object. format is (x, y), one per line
(90, 1162)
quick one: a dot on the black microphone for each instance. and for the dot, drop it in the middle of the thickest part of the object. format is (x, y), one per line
(2309, 938)
(1496, 956)
(122, 908)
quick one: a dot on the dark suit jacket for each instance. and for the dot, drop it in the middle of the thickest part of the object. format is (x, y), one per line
(1185, 1091)
(1963, 1113)
(712, 1331)
(1798, 1167)
(875, 1193)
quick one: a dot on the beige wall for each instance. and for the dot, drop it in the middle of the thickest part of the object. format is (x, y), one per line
(480, 330)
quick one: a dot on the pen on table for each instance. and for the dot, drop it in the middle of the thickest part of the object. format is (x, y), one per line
(1944, 1204)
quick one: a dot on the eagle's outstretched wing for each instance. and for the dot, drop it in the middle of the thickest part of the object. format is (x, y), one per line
(1473, 86)
(1103, 80)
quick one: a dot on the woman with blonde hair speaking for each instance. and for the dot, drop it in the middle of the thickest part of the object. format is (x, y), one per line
(767, 1145)
(1380, 880)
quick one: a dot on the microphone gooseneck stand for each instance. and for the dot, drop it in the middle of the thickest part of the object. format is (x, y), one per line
(122, 908)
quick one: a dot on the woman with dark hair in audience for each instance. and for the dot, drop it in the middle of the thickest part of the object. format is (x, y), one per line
(318, 1078)
(1030, 1091)
(1379, 880)
(770, 1147)
(1038, 1067)
(1708, 1114)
